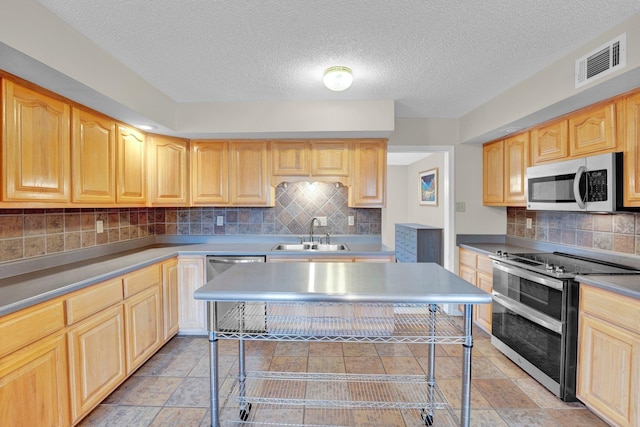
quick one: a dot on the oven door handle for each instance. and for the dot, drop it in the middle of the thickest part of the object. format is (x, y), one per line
(528, 313)
(546, 281)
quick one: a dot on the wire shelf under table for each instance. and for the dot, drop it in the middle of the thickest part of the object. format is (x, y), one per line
(343, 399)
(408, 323)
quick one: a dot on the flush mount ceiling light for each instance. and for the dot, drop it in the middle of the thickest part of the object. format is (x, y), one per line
(337, 78)
(146, 127)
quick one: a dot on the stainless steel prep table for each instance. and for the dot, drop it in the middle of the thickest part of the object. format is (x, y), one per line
(400, 286)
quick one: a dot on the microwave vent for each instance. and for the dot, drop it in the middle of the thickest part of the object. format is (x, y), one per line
(602, 61)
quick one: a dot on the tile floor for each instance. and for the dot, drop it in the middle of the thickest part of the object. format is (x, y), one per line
(172, 388)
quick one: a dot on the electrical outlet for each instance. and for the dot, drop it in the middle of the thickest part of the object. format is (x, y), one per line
(322, 221)
(219, 220)
(352, 220)
(99, 227)
(529, 223)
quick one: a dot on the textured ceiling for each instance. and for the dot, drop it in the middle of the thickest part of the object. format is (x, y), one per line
(435, 58)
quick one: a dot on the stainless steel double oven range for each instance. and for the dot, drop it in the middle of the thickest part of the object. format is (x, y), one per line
(535, 313)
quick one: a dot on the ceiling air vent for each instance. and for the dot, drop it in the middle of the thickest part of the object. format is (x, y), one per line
(602, 61)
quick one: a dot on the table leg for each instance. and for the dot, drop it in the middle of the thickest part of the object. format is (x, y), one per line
(465, 410)
(213, 367)
(427, 414)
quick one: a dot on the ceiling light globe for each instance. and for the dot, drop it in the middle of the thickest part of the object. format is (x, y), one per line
(338, 78)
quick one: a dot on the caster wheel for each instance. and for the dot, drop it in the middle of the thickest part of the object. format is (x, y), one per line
(244, 413)
(427, 418)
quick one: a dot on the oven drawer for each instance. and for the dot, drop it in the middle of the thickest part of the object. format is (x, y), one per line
(615, 308)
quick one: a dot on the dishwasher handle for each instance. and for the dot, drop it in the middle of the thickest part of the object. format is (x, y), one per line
(235, 260)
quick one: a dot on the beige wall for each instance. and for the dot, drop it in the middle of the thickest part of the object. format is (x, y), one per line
(551, 92)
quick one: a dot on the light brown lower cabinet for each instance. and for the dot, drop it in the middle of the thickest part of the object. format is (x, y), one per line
(609, 356)
(96, 359)
(143, 326)
(34, 387)
(170, 297)
(477, 269)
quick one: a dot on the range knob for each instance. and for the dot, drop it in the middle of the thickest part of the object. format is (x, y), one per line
(560, 269)
(549, 267)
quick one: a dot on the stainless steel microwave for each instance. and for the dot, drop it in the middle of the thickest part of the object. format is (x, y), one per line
(590, 184)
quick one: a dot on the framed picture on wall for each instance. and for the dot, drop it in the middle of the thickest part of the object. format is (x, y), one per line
(429, 187)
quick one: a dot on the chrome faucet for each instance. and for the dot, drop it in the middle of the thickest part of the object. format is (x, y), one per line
(313, 220)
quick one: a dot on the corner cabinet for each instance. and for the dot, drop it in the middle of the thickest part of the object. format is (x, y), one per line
(131, 181)
(93, 161)
(35, 146)
(369, 174)
(418, 243)
(168, 166)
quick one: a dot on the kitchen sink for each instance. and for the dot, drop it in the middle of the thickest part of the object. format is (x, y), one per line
(310, 247)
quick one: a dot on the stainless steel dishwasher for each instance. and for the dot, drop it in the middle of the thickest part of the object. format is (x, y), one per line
(216, 265)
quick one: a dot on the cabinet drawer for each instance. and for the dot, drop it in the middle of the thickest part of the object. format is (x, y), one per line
(485, 264)
(140, 280)
(467, 258)
(88, 301)
(29, 325)
(618, 309)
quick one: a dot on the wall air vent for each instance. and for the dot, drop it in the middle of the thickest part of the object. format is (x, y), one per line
(602, 61)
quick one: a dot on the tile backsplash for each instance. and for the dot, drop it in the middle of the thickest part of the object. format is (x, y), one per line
(618, 232)
(28, 233)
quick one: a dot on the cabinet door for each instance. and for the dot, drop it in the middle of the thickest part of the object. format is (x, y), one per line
(493, 173)
(34, 387)
(369, 174)
(192, 314)
(482, 312)
(168, 177)
(143, 326)
(170, 298)
(96, 359)
(35, 146)
(209, 172)
(131, 176)
(609, 371)
(290, 158)
(516, 160)
(93, 150)
(632, 153)
(549, 142)
(593, 130)
(330, 158)
(250, 174)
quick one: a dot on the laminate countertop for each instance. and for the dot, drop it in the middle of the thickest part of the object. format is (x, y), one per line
(29, 288)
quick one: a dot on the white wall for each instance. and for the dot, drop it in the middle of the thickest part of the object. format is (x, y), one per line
(395, 211)
(420, 214)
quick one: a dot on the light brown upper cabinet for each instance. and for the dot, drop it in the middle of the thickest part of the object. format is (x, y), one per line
(35, 146)
(168, 166)
(369, 172)
(632, 151)
(290, 158)
(493, 173)
(593, 130)
(516, 161)
(318, 160)
(549, 142)
(93, 157)
(209, 172)
(131, 179)
(330, 158)
(233, 173)
(250, 174)
(504, 164)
